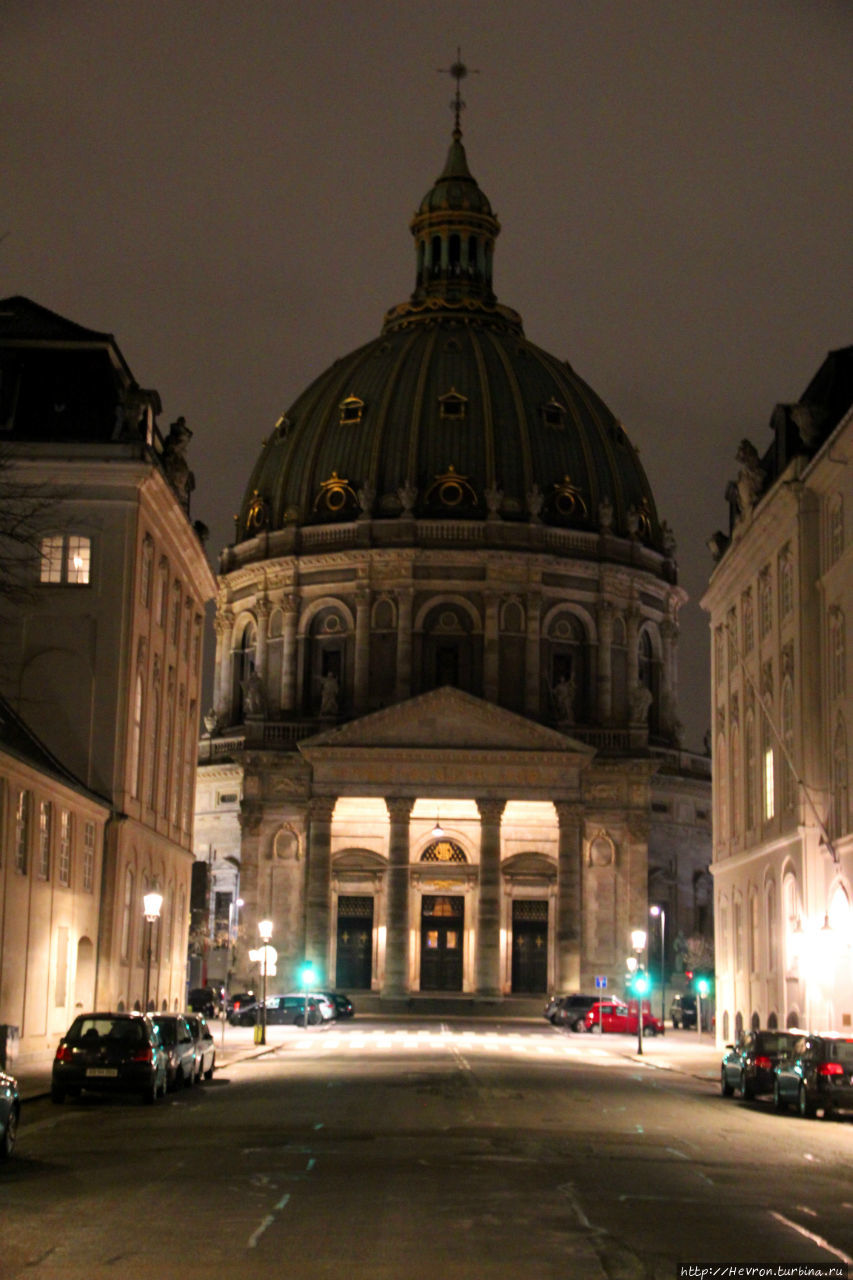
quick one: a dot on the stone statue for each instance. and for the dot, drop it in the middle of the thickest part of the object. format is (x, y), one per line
(563, 694)
(605, 515)
(751, 477)
(668, 539)
(633, 521)
(641, 700)
(535, 502)
(175, 462)
(253, 694)
(329, 690)
(494, 497)
(407, 493)
(366, 498)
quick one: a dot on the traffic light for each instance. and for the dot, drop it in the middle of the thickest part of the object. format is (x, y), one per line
(308, 976)
(702, 985)
(640, 983)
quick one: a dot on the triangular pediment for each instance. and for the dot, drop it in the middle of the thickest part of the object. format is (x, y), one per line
(446, 719)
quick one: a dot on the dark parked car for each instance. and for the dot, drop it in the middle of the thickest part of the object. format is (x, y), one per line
(180, 1048)
(291, 1009)
(205, 1000)
(10, 1114)
(682, 1011)
(342, 1004)
(238, 1002)
(750, 1065)
(205, 1050)
(572, 1010)
(817, 1075)
(110, 1052)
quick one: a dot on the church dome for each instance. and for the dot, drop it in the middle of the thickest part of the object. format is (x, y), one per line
(451, 412)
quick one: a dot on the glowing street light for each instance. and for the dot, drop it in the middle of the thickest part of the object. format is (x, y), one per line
(265, 930)
(660, 912)
(638, 945)
(152, 903)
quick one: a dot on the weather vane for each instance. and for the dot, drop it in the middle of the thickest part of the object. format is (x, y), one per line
(458, 71)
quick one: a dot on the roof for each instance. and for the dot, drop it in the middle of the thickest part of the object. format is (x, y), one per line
(19, 741)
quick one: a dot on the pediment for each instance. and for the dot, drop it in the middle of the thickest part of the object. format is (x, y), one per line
(445, 719)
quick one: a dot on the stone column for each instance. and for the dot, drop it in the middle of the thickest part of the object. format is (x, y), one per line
(488, 964)
(262, 612)
(317, 889)
(668, 675)
(532, 677)
(604, 708)
(290, 606)
(362, 650)
(632, 633)
(397, 898)
(224, 628)
(490, 648)
(569, 897)
(405, 598)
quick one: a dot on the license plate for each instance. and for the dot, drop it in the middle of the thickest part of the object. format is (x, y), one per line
(102, 1072)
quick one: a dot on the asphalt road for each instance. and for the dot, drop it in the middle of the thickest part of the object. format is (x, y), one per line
(422, 1150)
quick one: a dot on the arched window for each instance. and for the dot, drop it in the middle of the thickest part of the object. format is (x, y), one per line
(153, 731)
(126, 914)
(754, 932)
(768, 770)
(722, 766)
(160, 601)
(840, 808)
(748, 622)
(738, 933)
(145, 570)
(244, 665)
(839, 912)
(736, 784)
(772, 925)
(136, 737)
(793, 923)
(786, 583)
(837, 655)
(176, 613)
(836, 528)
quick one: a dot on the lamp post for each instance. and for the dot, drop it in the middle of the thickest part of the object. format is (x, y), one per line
(660, 912)
(265, 930)
(638, 946)
(151, 904)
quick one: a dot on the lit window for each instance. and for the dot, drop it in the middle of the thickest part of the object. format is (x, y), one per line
(88, 857)
(44, 840)
(66, 558)
(64, 868)
(769, 794)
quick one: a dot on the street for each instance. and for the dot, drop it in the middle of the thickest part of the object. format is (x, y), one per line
(405, 1149)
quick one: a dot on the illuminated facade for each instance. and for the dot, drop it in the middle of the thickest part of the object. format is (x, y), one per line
(782, 700)
(446, 659)
(102, 651)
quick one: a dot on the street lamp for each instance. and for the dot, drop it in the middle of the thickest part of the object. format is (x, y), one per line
(151, 904)
(265, 930)
(660, 912)
(638, 946)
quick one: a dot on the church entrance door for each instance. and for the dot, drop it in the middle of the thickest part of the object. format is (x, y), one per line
(354, 967)
(442, 927)
(529, 945)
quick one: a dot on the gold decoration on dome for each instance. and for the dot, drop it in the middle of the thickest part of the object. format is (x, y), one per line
(644, 520)
(256, 518)
(568, 499)
(451, 489)
(335, 494)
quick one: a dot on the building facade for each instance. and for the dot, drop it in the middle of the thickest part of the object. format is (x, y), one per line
(103, 636)
(446, 660)
(778, 600)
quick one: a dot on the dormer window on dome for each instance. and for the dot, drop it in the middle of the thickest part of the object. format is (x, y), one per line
(452, 404)
(352, 410)
(554, 414)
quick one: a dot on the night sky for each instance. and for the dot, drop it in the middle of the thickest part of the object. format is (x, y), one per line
(226, 187)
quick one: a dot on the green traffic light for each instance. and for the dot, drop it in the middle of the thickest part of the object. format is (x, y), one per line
(308, 976)
(703, 986)
(641, 984)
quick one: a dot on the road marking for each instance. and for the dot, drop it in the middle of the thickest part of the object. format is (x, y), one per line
(813, 1236)
(283, 1201)
(255, 1237)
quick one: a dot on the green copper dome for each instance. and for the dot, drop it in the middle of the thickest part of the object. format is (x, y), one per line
(451, 412)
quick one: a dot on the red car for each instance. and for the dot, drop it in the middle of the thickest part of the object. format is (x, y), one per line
(615, 1015)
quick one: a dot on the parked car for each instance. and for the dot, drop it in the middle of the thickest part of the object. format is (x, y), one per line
(325, 1004)
(10, 1114)
(682, 1011)
(205, 1000)
(818, 1074)
(551, 1007)
(205, 1050)
(247, 1014)
(614, 1015)
(235, 1003)
(180, 1048)
(110, 1052)
(290, 1009)
(572, 1010)
(750, 1065)
(343, 1005)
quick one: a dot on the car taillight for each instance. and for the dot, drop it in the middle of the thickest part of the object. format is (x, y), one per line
(763, 1064)
(144, 1055)
(64, 1053)
(830, 1069)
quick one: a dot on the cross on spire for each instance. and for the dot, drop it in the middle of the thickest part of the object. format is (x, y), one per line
(458, 71)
